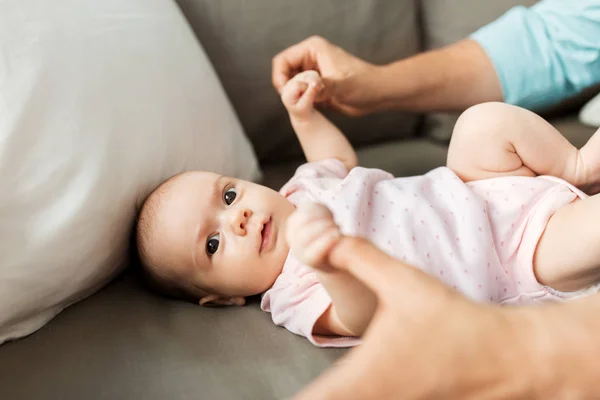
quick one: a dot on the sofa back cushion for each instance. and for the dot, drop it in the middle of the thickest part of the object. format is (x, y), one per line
(241, 37)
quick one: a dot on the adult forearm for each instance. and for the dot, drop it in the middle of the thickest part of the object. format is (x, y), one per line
(547, 352)
(565, 344)
(449, 79)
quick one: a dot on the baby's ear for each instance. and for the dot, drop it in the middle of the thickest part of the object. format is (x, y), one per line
(215, 300)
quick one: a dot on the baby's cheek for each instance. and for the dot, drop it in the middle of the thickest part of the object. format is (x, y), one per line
(271, 271)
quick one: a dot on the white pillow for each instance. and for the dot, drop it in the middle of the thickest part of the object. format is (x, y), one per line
(590, 113)
(100, 101)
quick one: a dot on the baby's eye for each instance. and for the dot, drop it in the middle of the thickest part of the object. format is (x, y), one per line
(229, 196)
(212, 244)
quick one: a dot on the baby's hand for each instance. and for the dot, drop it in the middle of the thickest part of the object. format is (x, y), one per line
(311, 233)
(299, 93)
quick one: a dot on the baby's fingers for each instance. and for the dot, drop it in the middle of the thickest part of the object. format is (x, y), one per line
(292, 92)
(312, 232)
(316, 251)
(311, 211)
(308, 98)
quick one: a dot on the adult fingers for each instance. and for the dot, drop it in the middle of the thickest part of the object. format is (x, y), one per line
(285, 63)
(383, 274)
(298, 57)
(363, 260)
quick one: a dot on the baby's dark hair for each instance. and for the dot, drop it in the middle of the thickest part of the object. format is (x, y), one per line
(159, 279)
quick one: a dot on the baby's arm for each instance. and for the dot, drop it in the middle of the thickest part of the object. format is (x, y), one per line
(320, 139)
(312, 234)
(496, 139)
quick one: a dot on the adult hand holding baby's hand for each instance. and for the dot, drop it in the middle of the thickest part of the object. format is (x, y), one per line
(311, 233)
(350, 89)
(425, 340)
(300, 93)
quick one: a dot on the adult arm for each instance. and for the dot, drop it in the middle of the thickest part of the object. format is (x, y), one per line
(452, 78)
(544, 53)
(531, 57)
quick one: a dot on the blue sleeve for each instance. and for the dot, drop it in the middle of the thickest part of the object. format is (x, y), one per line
(545, 53)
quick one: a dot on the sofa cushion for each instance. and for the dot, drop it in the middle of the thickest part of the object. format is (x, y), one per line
(127, 343)
(590, 113)
(241, 37)
(401, 158)
(100, 101)
(571, 128)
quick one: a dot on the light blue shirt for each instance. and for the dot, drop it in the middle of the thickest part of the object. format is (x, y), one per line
(545, 53)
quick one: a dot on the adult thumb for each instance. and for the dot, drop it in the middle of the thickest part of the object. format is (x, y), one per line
(367, 263)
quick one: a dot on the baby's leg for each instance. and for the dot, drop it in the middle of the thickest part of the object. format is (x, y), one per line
(568, 255)
(496, 139)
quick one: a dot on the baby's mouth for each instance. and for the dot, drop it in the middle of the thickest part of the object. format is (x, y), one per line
(266, 234)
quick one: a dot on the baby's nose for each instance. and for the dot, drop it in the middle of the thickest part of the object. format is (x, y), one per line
(240, 220)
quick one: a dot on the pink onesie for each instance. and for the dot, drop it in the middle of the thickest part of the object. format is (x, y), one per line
(478, 237)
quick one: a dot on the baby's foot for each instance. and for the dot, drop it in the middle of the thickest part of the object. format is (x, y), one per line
(299, 94)
(589, 176)
(312, 233)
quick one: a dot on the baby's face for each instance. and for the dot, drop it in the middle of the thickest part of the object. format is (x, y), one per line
(223, 235)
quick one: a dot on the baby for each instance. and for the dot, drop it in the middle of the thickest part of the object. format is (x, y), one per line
(489, 224)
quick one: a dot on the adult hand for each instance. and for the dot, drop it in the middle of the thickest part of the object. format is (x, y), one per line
(345, 76)
(425, 341)
(299, 94)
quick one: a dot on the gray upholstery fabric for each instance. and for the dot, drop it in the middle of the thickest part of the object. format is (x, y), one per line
(446, 22)
(570, 127)
(125, 343)
(241, 37)
(401, 158)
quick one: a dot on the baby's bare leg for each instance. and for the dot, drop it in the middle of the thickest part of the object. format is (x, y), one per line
(568, 255)
(496, 139)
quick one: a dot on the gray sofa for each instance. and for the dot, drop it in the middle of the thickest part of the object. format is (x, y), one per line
(127, 343)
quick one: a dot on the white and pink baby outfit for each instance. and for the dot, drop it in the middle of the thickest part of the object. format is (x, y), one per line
(478, 237)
